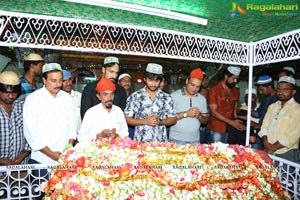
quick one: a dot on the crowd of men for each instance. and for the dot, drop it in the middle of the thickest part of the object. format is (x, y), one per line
(38, 120)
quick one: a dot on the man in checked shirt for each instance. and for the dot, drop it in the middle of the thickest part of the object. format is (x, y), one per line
(13, 146)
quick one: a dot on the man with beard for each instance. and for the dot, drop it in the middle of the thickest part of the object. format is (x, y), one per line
(150, 109)
(14, 148)
(112, 119)
(204, 132)
(110, 70)
(266, 88)
(49, 118)
(204, 85)
(223, 103)
(289, 71)
(67, 86)
(32, 70)
(191, 108)
(124, 80)
(280, 130)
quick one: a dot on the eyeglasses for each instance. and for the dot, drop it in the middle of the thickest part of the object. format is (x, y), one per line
(6, 93)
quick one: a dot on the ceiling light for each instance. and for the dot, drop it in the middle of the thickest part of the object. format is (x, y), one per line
(143, 10)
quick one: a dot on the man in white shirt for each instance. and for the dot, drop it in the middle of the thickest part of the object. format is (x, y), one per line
(49, 118)
(103, 120)
(67, 86)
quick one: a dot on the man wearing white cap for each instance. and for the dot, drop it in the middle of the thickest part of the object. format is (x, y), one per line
(32, 70)
(223, 103)
(67, 86)
(14, 148)
(254, 104)
(150, 109)
(110, 70)
(49, 118)
(289, 71)
(280, 130)
(124, 80)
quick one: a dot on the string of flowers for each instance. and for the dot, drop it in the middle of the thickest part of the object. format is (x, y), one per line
(126, 169)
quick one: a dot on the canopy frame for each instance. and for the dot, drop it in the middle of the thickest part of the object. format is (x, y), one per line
(60, 33)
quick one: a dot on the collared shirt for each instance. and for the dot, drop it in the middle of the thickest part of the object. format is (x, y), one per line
(48, 121)
(96, 119)
(28, 88)
(12, 140)
(76, 97)
(139, 106)
(282, 125)
(225, 104)
(187, 129)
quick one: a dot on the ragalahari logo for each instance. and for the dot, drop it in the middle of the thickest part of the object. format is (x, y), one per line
(236, 10)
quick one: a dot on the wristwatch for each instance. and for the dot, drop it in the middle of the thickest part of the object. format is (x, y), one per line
(185, 115)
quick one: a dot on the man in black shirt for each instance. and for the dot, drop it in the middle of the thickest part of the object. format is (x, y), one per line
(110, 71)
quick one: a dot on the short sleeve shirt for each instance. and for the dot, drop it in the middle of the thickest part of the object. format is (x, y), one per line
(28, 88)
(187, 129)
(139, 106)
(225, 106)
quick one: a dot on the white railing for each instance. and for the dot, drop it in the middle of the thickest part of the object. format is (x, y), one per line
(279, 48)
(18, 182)
(49, 32)
(289, 175)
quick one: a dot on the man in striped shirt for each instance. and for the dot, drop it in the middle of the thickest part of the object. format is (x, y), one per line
(13, 146)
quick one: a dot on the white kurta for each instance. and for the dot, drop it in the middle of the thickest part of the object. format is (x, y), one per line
(48, 121)
(96, 119)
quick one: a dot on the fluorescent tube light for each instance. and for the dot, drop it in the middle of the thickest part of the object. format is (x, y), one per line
(143, 10)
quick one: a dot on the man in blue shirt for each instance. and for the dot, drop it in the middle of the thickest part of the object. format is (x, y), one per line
(266, 88)
(32, 70)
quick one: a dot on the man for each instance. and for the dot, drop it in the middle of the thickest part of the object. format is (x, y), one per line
(223, 103)
(204, 132)
(14, 148)
(191, 108)
(204, 85)
(239, 137)
(113, 123)
(163, 84)
(67, 86)
(32, 70)
(266, 88)
(110, 70)
(124, 80)
(149, 109)
(280, 130)
(254, 104)
(49, 118)
(289, 71)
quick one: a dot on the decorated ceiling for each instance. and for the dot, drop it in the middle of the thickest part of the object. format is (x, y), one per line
(241, 20)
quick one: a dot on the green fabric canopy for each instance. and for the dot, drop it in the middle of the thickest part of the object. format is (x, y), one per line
(237, 20)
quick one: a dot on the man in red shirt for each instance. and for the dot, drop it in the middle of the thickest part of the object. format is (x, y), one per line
(223, 103)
